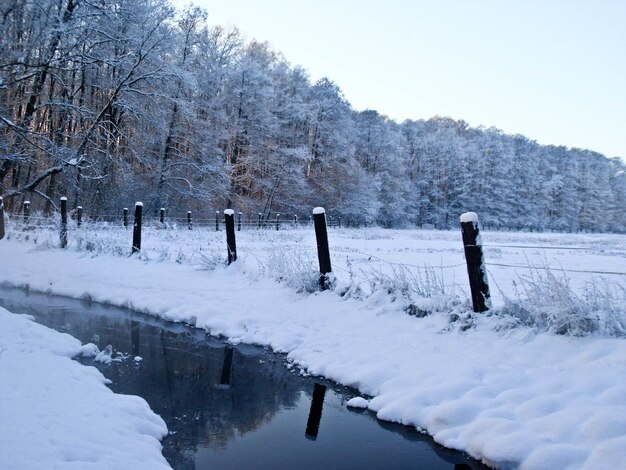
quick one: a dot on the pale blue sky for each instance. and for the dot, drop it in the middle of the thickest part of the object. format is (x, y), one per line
(554, 70)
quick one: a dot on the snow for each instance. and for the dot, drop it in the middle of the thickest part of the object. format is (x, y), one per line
(229, 212)
(89, 350)
(510, 395)
(105, 356)
(139, 204)
(357, 402)
(57, 413)
(469, 217)
(319, 210)
(63, 198)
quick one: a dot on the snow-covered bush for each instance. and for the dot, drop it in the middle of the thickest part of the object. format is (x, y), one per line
(544, 299)
(294, 267)
(421, 290)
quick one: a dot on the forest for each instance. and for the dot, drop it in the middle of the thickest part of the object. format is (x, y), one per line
(109, 102)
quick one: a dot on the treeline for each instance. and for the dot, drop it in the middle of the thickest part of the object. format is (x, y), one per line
(114, 101)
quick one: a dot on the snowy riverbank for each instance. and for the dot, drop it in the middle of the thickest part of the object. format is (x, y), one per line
(57, 413)
(509, 396)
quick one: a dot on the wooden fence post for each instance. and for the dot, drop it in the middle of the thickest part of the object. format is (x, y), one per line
(277, 220)
(475, 260)
(125, 217)
(137, 227)
(63, 234)
(260, 220)
(239, 222)
(189, 223)
(162, 216)
(1, 218)
(79, 215)
(26, 211)
(229, 221)
(217, 221)
(295, 220)
(323, 253)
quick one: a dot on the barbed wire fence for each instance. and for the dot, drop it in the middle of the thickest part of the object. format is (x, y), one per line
(101, 224)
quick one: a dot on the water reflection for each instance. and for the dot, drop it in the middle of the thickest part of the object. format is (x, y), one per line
(233, 406)
(315, 413)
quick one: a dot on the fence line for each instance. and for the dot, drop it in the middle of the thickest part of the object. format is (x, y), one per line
(122, 229)
(116, 224)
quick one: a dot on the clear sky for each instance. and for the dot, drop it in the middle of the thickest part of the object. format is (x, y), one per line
(553, 70)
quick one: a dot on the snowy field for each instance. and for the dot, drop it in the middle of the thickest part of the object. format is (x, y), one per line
(538, 382)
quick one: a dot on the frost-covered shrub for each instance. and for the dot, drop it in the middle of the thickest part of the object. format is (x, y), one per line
(421, 290)
(210, 258)
(545, 300)
(296, 268)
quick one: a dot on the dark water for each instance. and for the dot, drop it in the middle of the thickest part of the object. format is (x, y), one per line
(234, 406)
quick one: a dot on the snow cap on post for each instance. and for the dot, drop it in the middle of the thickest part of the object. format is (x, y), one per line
(140, 204)
(319, 210)
(229, 212)
(469, 217)
(63, 198)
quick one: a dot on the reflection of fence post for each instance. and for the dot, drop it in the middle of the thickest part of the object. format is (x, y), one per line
(79, 215)
(227, 367)
(134, 337)
(239, 221)
(475, 260)
(315, 413)
(26, 211)
(1, 218)
(125, 217)
(323, 253)
(189, 223)
(217, 221)
(229, 221)
(277, 220)
(137, 227)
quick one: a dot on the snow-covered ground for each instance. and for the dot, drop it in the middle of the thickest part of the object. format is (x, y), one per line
(503, 387)
(57, 413)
